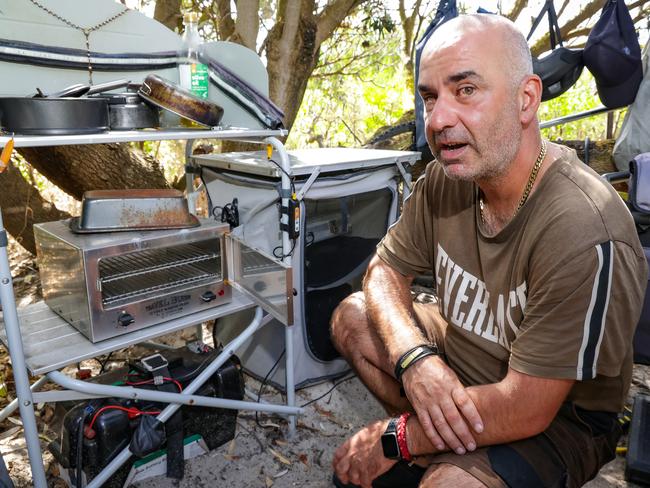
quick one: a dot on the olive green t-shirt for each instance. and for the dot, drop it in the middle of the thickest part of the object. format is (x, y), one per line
(557, 293)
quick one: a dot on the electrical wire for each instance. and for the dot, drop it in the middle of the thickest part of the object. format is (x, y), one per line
(148, 382)
(291, 178)
(266, 378)
(328, 391)
(132, 411)
(80, 441)
(282, 256)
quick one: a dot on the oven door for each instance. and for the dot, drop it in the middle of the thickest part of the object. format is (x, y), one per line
(267, 281)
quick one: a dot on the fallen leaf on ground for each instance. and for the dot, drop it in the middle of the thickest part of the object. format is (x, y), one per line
(303, 459)
(280, 474)
(14, 420)
(280, 457)
(268, 482)
(280, 442)
(10, 432)
(231, 447)
(322, 411)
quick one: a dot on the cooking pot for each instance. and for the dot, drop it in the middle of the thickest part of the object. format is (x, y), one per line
(127, 111)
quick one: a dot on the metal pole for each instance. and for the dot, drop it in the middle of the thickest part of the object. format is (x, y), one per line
(9, 409)
(191, 202)
(286, 249)
(14, 341)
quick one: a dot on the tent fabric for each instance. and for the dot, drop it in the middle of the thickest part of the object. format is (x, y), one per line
(634, 137)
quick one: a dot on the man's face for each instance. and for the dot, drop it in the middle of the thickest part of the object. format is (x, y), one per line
(470, 106)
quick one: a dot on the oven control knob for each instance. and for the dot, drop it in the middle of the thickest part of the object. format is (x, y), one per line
(125, 319)
(208, 296)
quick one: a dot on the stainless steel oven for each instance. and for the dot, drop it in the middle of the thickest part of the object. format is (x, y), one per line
(113, 283)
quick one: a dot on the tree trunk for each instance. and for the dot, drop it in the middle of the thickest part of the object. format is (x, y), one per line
(293, 46)
(168, 13)
(76, 169)
(22, 207)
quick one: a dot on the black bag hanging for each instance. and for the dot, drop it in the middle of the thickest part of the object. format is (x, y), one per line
(446, 10)
(613, 55)
(561, 68)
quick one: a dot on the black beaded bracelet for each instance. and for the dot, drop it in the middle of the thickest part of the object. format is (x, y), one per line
(412, 356)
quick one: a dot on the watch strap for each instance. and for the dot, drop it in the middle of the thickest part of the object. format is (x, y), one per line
(391, 434)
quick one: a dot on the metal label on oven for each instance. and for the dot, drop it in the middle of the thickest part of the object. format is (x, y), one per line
(168, 306)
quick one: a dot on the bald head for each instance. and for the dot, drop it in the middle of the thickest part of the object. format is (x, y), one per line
(510, 48)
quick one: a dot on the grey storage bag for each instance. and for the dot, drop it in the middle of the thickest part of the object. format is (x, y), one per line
(634, 137)
(639, 185)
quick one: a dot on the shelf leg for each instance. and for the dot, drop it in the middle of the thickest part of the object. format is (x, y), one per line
(291, 390)
(9, 409)
(15, 343)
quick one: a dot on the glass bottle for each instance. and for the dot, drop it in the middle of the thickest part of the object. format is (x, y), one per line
(194, 75)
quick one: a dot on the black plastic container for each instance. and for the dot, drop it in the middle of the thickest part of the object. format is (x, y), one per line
(113, 428)
(637, 462)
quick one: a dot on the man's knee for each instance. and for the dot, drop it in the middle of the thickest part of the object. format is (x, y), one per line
(348, 319)
(447, 475)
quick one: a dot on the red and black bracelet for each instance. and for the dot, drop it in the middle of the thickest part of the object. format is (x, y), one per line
(405, 454)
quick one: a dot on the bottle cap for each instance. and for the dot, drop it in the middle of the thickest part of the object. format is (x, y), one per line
(192, 17)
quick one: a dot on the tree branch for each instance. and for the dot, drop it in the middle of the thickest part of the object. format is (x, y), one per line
(248, 23)
(543, 44)
(225, 22)
(564, 6)
(516, 9)
(332, 16)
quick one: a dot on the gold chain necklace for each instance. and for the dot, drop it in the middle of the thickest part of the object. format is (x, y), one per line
(529, 184)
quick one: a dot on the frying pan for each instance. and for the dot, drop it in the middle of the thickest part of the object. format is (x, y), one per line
(61, 114)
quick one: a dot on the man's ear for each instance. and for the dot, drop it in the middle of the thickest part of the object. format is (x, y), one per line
(530, 96)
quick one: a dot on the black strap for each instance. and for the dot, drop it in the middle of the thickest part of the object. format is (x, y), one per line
(553, 25)
(174, 431)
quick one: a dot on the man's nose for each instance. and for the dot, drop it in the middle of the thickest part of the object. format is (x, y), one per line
(442, 115)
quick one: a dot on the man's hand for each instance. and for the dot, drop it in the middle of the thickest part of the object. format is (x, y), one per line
(443, 407)
(361, 459)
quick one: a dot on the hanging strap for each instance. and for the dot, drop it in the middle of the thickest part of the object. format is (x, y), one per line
(553, 25)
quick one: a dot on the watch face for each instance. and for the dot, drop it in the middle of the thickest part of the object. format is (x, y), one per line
(389, 445)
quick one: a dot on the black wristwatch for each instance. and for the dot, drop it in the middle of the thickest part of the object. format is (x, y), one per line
(389, 441)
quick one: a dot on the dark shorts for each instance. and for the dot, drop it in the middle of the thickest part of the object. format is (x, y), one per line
(568, 454)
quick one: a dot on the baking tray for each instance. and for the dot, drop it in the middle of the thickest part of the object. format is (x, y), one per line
(129, 210)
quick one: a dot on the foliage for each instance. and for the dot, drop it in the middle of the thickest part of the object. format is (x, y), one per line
(579, 98)
(358, 87)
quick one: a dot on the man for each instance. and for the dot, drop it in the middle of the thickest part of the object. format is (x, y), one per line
(516, 375)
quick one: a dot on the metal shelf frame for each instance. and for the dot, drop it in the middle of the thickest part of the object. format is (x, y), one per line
(76, 389)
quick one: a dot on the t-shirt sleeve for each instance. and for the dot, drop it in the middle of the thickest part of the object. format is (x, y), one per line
(407, 244)
(581, 314)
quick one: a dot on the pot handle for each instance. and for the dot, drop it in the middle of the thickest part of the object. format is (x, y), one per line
(108, 86)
